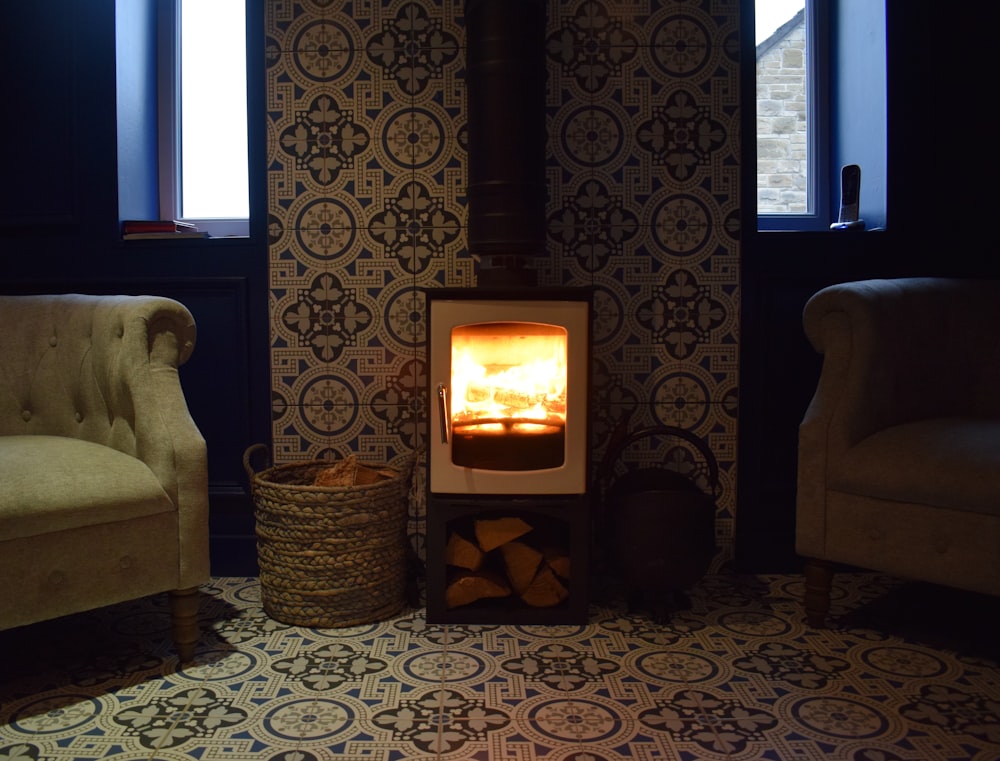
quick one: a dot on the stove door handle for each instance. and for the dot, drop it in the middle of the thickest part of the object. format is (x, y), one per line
(443, 412)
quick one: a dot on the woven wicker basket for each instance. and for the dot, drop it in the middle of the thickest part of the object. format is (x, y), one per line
(330, 556)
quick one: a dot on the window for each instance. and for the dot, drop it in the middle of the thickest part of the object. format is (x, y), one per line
(790, 193)
(820, 104)
(782, 42)
(203, 115)
(182, 112)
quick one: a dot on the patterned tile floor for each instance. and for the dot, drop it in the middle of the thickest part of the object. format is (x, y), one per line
(905, 672)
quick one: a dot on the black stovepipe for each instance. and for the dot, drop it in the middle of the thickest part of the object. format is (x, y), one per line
(505, 85)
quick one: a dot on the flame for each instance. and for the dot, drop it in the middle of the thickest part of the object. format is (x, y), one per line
(513, 378)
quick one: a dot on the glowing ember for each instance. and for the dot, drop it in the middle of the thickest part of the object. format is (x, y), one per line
(509, 377)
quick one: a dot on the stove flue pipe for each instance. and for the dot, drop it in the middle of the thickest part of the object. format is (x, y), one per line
(505, 85)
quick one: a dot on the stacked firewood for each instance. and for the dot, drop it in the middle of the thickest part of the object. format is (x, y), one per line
(501, 560)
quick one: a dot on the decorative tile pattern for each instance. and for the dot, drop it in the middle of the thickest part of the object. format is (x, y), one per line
(367, 147)
(736, 676)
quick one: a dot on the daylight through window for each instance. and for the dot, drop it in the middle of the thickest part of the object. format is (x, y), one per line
(784, 145)
(213, 112)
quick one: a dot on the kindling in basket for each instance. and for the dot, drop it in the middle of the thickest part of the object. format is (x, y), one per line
(331, 556)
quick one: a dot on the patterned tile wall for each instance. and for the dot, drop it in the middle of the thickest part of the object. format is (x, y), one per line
(367, 152)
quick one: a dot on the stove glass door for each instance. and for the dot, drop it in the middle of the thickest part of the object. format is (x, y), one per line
(507, 405)
(509, 384)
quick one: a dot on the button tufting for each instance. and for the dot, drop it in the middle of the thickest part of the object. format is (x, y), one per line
(875, 534)
(79, 417)
(125, 563)
(25, 415)
(53, 341)
(57, 579)
(941, 545)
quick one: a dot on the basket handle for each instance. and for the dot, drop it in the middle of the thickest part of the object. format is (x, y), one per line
(663, 430)
(246, 459)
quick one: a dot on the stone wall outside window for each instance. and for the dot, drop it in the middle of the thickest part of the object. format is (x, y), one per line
(781, 122)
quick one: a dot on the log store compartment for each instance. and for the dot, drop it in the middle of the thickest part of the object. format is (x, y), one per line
(520, 561)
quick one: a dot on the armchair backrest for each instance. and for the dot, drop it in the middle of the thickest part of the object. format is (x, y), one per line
(82, 366)
(901, 350)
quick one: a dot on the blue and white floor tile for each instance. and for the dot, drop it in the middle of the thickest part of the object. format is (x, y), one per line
(905, 673)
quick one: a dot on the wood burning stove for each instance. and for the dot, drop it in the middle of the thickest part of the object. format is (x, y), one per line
(508, 511)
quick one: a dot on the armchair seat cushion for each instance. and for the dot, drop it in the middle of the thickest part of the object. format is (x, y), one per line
(55, 483)
(948, 462)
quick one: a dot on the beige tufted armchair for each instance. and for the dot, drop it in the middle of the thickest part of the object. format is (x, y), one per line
(103, 473)
(899, 451)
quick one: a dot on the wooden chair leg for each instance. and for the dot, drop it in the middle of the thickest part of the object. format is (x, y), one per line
(819, 579)
(184, 621)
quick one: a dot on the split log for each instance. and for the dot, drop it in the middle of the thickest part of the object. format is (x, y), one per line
(465, 588)
(545, 590)
(558, 561)
(494, 532)
(350, 472)
(462, 553)
(521, 563)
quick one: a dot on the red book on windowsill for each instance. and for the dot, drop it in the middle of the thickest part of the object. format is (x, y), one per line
(130, 226)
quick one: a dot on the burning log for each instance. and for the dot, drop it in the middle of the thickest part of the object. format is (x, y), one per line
(465, 588)
(476, 394)
(517, 400)
(508, 398)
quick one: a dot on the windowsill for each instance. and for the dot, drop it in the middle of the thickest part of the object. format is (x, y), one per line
(221, 228)
(790, 223)
(186, 240)
(818, 230)
(190, 230)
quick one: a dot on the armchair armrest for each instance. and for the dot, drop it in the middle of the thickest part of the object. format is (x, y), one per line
(167, 438)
